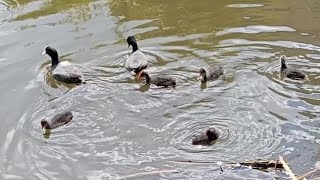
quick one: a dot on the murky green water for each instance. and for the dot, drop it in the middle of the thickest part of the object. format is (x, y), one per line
(121, 127)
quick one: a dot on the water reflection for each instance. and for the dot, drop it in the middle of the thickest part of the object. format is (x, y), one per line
(7, 10)
(78, 11)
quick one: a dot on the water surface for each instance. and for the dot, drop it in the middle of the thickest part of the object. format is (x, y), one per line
(124, 129)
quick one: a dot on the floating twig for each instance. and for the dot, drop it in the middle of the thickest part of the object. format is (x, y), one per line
(308, 174)
(263, 164)
(287, 168)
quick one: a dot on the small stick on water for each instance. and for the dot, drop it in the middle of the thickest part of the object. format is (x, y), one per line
(307, 174)
(194, 162)
(149, 173)
(262, 164)
(287, 168)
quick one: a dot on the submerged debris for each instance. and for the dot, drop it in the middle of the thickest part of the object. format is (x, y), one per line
(262, 164)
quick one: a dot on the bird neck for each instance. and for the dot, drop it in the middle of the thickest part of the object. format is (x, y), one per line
(54, 59)
(283, 66)
(204, 78)
(147, 78)
(44, 124)
(134, 47)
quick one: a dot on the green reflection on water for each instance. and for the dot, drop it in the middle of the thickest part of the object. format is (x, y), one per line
(77, 10)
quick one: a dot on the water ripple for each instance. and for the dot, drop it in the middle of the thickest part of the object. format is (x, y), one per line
(295, 94)
(245, 5)
(238, 137)
(121, 126)
(7, 10)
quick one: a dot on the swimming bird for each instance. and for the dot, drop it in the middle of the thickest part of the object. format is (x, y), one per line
(290, 72)
(210, 74)
(57, 120)
(137, 61)
(206, 138)
(63, 71)
(159, 80)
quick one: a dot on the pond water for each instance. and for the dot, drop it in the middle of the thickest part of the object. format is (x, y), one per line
(124, 129)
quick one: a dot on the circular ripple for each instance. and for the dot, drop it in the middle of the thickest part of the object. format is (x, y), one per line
(84, 127)
(241, 137)
(184, 137)
(299, 94)
(272, 72)
(52, 87)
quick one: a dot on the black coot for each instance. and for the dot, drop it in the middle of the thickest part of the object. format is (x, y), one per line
(212, 73)
(63, 71)
(137, 61)
(57, 120)
(206, 138)
(159, 80)
(290, 72)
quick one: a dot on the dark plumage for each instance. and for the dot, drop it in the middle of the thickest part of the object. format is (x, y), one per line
(206, 138)
(63, 71)
(159, 80)
(210, 74)
(290, 72)
(137, 61)
(57, 120)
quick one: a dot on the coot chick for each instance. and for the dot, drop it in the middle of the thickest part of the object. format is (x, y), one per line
(212, 73)
(57, 120)
(137, 61)
(206, 138)
(159, 80)
(63, 71)
(290, 72)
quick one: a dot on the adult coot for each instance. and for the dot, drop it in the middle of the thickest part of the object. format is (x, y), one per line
(290, 72)
(57, 120)
(63, 71)
(137, 61)
(206, 138)
(159, 80)
(210, 74)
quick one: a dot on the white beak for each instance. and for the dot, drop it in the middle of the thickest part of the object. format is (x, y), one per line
(44, 52)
